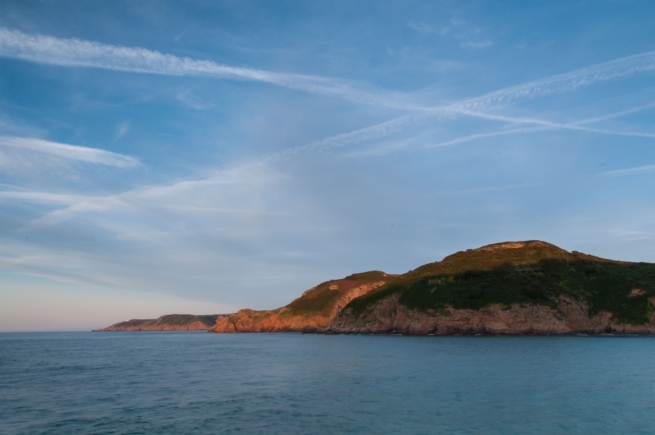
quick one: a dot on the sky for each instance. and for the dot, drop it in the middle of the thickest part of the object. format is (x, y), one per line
(205, 156)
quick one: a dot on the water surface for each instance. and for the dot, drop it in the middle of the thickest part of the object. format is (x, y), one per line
(183, 383)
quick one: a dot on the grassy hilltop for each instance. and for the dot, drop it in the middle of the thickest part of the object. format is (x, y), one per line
(319, 300)
(532, 272)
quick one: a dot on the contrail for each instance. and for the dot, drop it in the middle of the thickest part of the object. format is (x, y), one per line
(70, 152)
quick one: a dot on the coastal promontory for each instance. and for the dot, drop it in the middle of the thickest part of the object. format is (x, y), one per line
(510, 288)
(527, 287)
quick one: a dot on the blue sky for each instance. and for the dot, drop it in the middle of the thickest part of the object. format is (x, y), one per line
(161, 157)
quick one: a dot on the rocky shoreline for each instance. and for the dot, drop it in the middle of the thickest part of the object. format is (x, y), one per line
(569, 318)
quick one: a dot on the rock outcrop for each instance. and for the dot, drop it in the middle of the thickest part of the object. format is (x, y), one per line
(170, 322)
(313, 311)
(569, 317)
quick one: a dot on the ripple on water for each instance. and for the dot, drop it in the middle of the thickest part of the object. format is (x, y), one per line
(171, 383)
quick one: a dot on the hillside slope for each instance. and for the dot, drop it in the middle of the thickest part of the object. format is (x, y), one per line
(529, 287)
(169, 322)
(314, 310)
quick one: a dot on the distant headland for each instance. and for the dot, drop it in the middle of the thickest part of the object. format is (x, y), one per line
(169, 322)
(511, 288)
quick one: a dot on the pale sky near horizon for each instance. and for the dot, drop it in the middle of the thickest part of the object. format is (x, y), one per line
(199, 157)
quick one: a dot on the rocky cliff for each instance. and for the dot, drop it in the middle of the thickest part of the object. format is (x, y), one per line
(568, 317)
(170, 322)
(313, 311)
(509, 288)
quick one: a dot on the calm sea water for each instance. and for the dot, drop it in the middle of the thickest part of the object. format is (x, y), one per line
(197, 383)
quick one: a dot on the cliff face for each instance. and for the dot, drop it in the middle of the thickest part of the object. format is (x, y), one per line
(569, 317)
(170, 322)
(314, 310)
(510, 288)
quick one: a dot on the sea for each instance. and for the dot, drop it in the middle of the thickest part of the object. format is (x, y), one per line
(201, 383)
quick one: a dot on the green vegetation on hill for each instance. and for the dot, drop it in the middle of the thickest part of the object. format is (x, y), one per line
(169, 320)
(536, 273)
(134, 322)
(185, 319)
(321, 299)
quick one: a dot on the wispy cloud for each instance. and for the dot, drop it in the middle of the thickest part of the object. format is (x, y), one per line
(428, 29)
(587, 76)
(477, 136)
(377, 131)
(630, 235)
(76, 52)
(577, 125)
(234, 192)
(477, 45)
(531, 125)
(644, 62)
(471, 36)
(487, 189)
(396, 125)
(42, 197)
(187, 99)
(69, 152)
(80, 53)
(202, 230)
(615, 114)
(122, 129)
(630, 171)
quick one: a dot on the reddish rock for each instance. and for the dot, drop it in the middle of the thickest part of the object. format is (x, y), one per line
(313, 311)
(570, 317)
